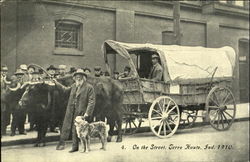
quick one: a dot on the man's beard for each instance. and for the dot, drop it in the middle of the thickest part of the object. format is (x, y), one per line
(79, 82)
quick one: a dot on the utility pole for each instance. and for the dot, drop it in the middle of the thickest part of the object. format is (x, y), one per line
(176, 17)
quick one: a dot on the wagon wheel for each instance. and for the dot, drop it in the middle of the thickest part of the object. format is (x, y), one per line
(220, 108)
(188, 118)
(164, 117)
(132, 121)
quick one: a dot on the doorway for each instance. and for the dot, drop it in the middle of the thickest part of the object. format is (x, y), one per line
(244, 70)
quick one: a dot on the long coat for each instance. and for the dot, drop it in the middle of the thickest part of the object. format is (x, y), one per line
(80, 101)
(156, 72)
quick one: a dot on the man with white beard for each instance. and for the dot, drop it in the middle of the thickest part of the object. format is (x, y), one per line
(81, 103)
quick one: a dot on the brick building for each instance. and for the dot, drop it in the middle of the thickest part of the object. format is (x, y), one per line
(72, 32)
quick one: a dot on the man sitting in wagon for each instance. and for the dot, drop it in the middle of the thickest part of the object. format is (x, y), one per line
(156, 72)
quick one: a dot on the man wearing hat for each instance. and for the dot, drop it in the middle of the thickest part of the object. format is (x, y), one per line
(5, 112)
(62, 71)
(72, 70)
(156, 72)
(116, 75)
(81, 103)
(98, 71)
(126, 72)
(31, 70)
(52, 70)
(4, 77)
(18, 114)
(87, 70)
(25, 76)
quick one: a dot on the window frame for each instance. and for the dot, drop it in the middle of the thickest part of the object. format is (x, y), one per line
(78, 51)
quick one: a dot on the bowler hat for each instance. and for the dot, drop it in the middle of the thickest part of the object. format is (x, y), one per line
(155, 56)
(51, 67)
(19, 72)
(97, 68)
(80, 71)
(72, 70)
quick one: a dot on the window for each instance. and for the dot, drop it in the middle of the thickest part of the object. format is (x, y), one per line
(239, 3)
(68, 34)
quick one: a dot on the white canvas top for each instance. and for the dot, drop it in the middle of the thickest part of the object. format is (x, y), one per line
(184, 62)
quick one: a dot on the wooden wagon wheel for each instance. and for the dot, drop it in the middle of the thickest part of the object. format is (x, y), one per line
(132, 121)
(164, 117)
(220, 108)
(189, 119)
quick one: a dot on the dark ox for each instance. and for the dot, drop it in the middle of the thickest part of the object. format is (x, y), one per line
(109, 98)
(37, 98)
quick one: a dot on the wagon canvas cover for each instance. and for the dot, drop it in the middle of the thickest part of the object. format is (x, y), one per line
(181, 62)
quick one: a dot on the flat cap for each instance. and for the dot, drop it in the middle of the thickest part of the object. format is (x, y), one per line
(155, 56)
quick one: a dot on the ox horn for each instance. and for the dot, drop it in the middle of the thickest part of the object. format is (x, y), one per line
(16, 88)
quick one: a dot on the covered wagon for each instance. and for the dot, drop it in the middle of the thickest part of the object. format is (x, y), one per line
(194, 79)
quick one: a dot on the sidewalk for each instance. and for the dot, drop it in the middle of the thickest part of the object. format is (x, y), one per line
(242, 114)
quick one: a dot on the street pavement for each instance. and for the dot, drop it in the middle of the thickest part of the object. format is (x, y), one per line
(186, 145)
(242, 113)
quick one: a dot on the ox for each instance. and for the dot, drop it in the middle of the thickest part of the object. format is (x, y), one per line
(38, 96)
(109, 98)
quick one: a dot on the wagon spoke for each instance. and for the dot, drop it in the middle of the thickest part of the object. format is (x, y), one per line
(159, 130)
(164, 128)
(168, 106)
(222, 120)
(218, 122)
(215, 117)
(225, 99)
(160, 106)
(155, 118)
(164, 106)
(216, 99)
(172, 122)
(134, 124)
(130, 126)
(169, 126)
(172, 109)
(228, 102)
(157, 112)
(225, 118)
(126, 127)
(230, 108)
(213, 107)
(229, 114)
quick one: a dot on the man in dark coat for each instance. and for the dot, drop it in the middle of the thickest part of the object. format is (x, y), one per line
(5, 112)
(18, 114)
(81, 103)
(156, 72)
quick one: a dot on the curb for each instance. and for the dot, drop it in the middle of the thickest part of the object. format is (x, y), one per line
(56, 137)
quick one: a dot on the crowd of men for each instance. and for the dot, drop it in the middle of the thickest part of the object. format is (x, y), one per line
(29, 73)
